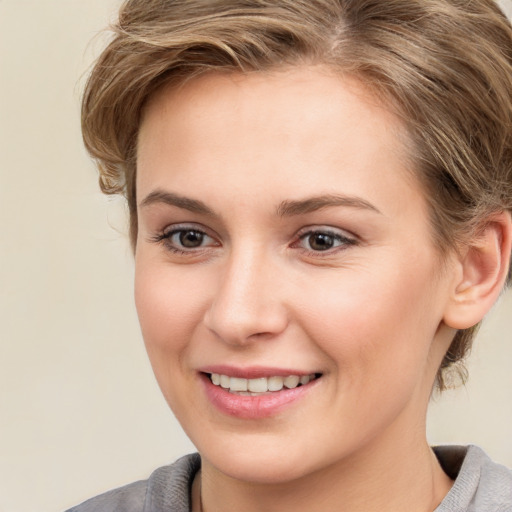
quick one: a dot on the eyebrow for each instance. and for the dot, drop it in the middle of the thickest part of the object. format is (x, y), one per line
(312, 204)
(287, 208)
(186, 203)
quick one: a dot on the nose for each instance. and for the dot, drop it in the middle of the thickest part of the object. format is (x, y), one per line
(248, 304)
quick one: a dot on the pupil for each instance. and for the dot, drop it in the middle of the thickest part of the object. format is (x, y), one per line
(191, 239)
(321, 241)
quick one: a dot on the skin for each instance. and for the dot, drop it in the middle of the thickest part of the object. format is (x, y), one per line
(368, 313)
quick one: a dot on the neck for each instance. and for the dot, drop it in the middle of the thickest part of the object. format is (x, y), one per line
(405, 479)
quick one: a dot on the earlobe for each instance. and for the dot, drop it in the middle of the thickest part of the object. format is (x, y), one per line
(482, 273)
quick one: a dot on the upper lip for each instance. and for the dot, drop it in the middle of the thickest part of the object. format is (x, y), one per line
(253, 372)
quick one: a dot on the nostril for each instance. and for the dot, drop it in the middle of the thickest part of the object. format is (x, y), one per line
(245, 328)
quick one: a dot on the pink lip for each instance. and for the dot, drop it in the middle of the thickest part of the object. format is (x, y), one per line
(252, 372)
(253, 407)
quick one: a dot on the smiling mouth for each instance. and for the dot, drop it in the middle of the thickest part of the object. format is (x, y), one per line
(260, 386)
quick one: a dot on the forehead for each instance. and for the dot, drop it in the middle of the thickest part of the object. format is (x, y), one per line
(300, 124)
(289, 94)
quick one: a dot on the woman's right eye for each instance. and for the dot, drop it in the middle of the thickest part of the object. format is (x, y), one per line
(183, 240)
(190, 239)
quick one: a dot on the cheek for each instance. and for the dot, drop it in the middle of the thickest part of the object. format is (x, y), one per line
(375, 324)
(169, 308)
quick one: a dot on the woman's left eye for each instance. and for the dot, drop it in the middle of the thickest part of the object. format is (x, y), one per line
(324, 240)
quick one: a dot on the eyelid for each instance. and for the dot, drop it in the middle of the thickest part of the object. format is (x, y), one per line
(345, 239)
(173, 228)
(331, 230)
(164, 236)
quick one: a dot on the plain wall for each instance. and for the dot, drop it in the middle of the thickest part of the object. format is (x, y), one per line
(80, 411)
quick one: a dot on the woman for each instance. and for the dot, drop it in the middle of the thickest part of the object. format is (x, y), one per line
(320, 195)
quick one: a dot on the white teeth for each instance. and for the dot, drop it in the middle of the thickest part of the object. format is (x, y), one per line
(275, 383)
(225, 381)
(258, 385)
(292, 381)
(305, 379)
(252, 387)
(237, 384)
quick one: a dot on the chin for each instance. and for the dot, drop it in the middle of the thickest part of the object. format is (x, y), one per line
(264, 459)
(262, 470)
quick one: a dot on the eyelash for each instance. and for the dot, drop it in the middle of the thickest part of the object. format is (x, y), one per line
(344, 241)
(165, 238)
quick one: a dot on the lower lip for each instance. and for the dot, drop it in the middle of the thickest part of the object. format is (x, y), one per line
(253, 407)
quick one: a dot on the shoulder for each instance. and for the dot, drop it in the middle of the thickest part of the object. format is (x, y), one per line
(481, 485)
(129, 498)
(167, 489)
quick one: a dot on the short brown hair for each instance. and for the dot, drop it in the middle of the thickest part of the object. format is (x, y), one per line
(443, 66)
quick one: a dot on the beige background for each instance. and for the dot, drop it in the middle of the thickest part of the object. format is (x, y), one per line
(79, 409)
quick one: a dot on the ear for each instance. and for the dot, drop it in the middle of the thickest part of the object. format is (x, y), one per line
(482, 272)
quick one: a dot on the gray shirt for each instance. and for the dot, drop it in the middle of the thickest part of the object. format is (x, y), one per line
(480, 486)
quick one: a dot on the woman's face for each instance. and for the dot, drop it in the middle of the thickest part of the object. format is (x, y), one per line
(281, 234)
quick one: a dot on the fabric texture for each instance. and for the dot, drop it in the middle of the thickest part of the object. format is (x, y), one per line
(480, 486)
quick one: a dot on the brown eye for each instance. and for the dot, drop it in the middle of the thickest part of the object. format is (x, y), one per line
(187, 240)
(321, 241)
(190, 238)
